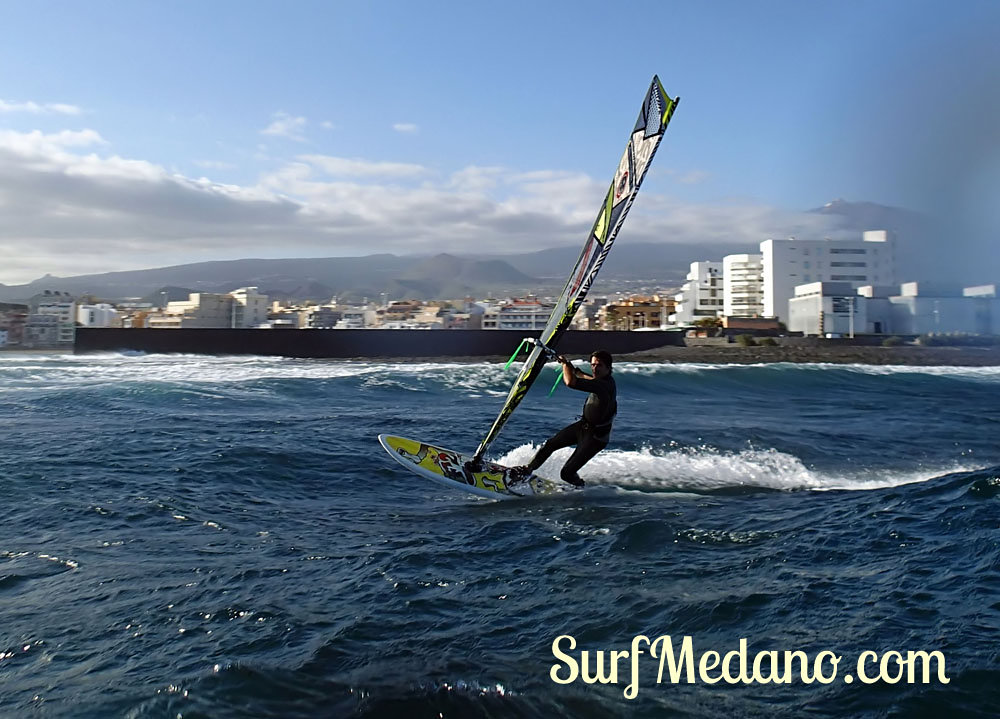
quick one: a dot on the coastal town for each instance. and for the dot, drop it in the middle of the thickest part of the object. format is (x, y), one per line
(826, 288)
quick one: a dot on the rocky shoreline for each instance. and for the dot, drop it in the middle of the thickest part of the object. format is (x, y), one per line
(909, 355)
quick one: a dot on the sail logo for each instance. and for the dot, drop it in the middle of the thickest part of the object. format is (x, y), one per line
(622, 184)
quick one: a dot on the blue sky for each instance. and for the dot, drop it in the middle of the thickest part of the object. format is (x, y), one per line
(139, 134)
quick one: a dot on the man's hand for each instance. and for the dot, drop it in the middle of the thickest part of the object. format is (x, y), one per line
(569, 372)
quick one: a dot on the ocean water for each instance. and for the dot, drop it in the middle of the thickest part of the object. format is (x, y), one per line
(186, 536)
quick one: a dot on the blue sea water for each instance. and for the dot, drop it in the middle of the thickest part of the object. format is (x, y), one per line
(224, 537)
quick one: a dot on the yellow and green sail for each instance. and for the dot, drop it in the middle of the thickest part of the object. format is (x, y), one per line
(657, 109)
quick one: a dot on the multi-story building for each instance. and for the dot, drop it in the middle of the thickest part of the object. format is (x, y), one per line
(250, 308)
(430, 317)
(135, 318)
(588, 317)
(323, 317)
(201, 310)
(242, 308)
(518, 314)
(986, 309)
(63, 308)
(827, 308)
(99, 315)
(636, 313)
(462, 321)
(743, 285)
(357, 318)
(398, 310)
(701, 296)
(913, 308)
(13, 318)
(42, 330)
(789, 263)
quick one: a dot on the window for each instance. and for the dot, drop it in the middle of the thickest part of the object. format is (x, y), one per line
(842, 251)
(848, 264)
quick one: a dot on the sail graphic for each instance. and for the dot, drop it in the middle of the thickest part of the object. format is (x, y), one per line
(657, 109)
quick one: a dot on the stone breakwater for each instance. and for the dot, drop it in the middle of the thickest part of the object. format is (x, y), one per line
(911, 355)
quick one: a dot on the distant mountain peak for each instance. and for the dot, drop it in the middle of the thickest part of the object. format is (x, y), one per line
(860, 216)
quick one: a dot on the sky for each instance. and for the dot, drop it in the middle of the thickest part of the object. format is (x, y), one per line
(140, 134)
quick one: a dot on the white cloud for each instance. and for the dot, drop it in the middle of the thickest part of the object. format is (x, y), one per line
(476, 179)
(345, 167)
(285, 125)
(35, 108)
(68, 207)
(37, 142)
(407, 128)
(327, 125)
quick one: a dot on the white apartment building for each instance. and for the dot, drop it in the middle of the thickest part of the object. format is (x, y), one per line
(528, 314)
(250, 308)
(789, 263)
(65, 313)
(743, 285)
(701, 296)
(99, 315)
(828, 308)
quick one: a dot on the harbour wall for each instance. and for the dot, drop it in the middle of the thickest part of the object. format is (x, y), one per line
(360, 344)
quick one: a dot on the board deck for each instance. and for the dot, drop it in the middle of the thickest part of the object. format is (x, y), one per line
(447, 467)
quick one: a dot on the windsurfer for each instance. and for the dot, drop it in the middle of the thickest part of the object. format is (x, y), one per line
(592, 431)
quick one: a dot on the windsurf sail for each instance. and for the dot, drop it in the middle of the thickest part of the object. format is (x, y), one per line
(657, 109)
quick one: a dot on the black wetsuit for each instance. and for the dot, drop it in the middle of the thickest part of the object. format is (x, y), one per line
(590, 434)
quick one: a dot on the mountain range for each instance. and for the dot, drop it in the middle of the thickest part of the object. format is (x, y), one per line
(445, 276)
(351, 279)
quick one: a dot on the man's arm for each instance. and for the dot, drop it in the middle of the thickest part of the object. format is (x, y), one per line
(570, 373)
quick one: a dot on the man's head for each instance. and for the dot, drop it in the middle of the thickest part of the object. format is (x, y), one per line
(600, 363)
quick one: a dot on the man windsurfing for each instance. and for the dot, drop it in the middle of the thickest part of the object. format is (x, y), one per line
(592, 431)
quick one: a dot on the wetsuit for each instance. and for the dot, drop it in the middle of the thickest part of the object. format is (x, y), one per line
(590, 434)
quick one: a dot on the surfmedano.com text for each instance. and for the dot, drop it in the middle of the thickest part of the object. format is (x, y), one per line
(736, 666)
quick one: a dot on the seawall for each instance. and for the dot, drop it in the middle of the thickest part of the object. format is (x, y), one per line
(347, 344)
